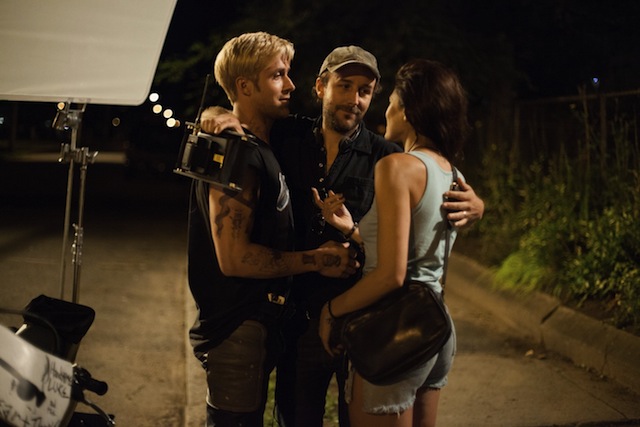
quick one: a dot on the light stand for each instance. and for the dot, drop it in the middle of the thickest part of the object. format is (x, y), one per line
(71, 118)
(86, 69)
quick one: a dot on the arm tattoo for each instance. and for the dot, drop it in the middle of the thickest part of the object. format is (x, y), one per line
(250, 259)
(237, 218)
(224, 211)
(308, 259)
(274, 263)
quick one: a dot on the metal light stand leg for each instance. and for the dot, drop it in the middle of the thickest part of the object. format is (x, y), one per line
(68, 118)
(85, 157)
(64, 154)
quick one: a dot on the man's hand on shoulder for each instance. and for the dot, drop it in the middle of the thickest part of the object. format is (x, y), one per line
(464, 206)
(215, 120)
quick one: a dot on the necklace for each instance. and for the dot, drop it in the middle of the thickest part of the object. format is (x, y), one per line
(428, 145)
(415, 147)
(415, 142)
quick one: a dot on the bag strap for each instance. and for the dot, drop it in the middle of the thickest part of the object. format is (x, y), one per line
(447, 233)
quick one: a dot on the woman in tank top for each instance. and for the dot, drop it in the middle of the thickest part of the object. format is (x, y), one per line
(403, 234)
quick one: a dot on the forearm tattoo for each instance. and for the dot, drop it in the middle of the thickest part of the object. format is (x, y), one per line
(273, 263)
(326, 260)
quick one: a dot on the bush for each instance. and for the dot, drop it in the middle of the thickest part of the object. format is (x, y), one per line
(570, 224)
(605, 266)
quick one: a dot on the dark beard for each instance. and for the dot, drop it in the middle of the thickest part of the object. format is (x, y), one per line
(340, 128)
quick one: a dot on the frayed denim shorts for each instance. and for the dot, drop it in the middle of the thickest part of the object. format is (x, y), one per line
(398, 397)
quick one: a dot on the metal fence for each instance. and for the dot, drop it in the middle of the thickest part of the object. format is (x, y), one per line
(600, 129)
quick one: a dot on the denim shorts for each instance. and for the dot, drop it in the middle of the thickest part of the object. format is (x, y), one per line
(398, 397)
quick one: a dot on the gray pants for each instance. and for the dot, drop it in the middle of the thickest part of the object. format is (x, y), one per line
(238, 375)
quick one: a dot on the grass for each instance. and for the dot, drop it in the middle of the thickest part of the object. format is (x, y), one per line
(330, 408)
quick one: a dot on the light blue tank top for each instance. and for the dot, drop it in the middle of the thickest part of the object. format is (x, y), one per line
(426, 241)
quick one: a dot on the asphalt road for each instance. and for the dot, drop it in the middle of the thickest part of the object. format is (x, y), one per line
(133, 274)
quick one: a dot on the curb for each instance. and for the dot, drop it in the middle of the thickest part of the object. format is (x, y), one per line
(196, 385)
(588, 342)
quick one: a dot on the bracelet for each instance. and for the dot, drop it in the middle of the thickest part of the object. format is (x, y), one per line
(330, 311)
(353, 230)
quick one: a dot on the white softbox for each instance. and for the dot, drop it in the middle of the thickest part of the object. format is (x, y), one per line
(82, 51)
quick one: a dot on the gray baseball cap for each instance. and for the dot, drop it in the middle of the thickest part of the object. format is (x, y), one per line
(344, 55)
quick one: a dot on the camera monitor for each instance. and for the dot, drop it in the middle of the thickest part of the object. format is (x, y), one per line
(82, 51)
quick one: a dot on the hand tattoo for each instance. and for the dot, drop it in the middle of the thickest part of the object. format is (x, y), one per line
(331, 261)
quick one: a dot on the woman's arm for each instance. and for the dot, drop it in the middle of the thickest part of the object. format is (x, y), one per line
(393, 202)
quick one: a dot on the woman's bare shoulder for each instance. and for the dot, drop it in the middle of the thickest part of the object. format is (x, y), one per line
(400, 161)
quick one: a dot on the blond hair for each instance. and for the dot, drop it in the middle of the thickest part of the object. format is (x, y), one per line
(245, 56)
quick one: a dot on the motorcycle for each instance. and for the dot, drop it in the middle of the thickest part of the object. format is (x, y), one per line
(40, 385)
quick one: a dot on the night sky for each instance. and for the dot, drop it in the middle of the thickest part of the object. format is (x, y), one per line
(554, 45)
(523, 48)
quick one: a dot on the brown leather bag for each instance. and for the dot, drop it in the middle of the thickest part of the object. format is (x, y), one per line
(400, 332)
